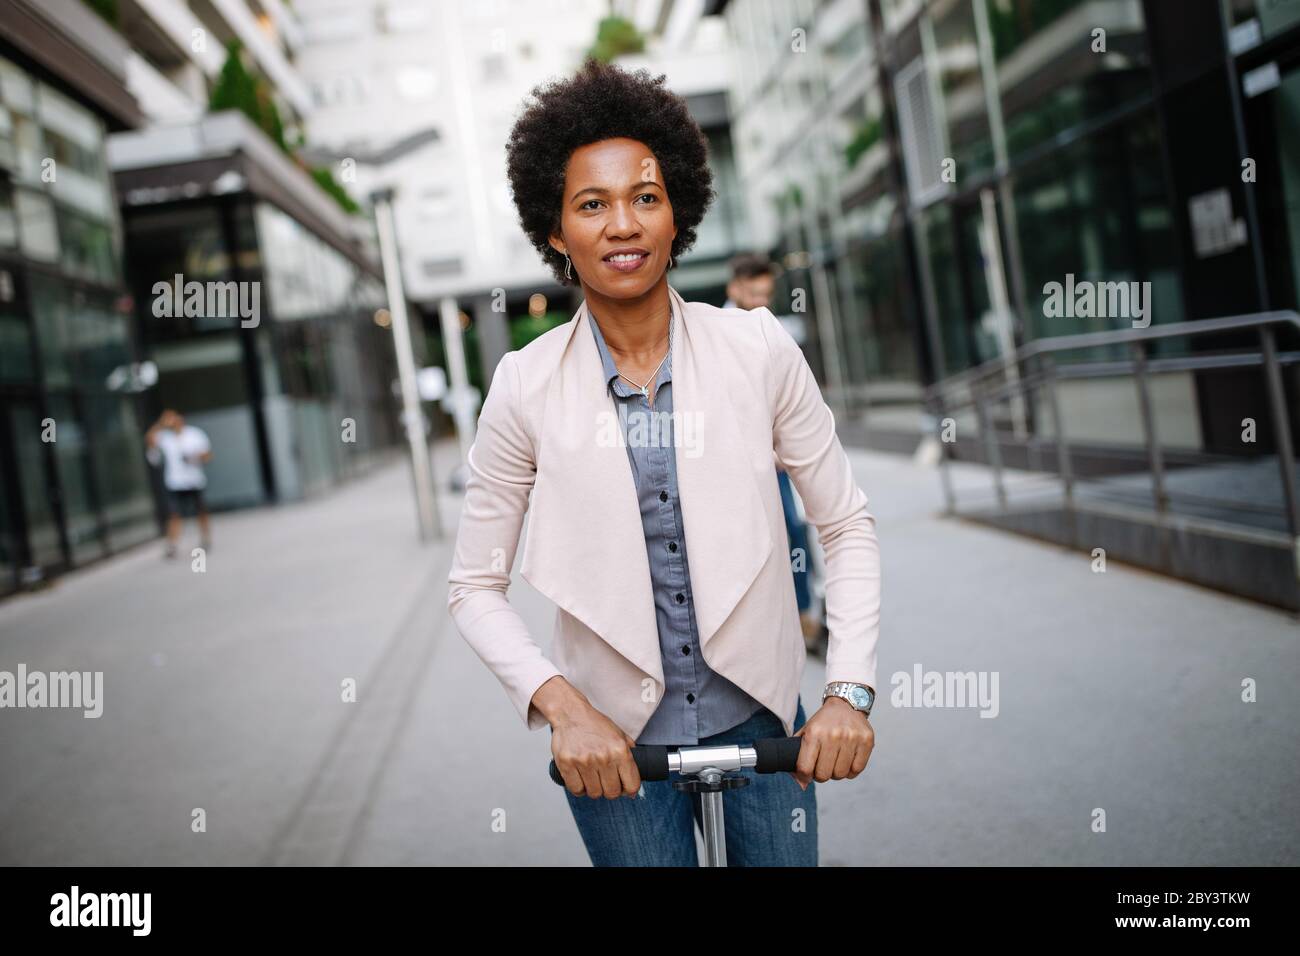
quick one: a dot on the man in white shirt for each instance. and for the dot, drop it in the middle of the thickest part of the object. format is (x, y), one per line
(182, 450)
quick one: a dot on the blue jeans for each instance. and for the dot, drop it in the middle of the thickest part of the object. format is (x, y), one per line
(798, 533)
(657, 826)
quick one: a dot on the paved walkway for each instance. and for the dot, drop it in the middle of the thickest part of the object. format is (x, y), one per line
(1119, 691)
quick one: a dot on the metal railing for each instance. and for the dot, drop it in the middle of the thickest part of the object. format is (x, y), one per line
(1033, 367)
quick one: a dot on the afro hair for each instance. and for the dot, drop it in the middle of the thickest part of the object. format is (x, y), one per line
(600, 102)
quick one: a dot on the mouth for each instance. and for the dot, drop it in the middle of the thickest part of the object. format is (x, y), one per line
(626, 260)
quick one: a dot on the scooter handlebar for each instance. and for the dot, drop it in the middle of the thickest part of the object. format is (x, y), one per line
(771, 755)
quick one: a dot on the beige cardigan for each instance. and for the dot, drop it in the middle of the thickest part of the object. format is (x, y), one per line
(743, 394)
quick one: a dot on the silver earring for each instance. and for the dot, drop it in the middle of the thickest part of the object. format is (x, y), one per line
(671, 263)
(567, 273)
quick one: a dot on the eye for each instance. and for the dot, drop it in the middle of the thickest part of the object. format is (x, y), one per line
(651, 196)
(584, 205)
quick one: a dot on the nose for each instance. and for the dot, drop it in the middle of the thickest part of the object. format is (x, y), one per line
(622, 221)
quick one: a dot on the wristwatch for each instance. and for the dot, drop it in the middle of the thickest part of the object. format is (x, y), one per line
(860, 696)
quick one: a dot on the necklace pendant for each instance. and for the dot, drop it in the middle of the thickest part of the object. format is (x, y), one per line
(645, 391)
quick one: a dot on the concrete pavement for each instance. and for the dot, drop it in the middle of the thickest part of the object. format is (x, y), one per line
(1118, 691)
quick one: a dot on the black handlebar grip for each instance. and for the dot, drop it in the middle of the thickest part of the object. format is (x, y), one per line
(651, 763)
(777, 754)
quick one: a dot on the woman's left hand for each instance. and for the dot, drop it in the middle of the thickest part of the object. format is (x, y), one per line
(837, 742)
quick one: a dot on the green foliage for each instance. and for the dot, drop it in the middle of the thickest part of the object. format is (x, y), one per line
(790, 199)
(616, 36)
(864, 138)
(107, 9)
(1011, 22)
(523, 331)
(238, 89)
(325, 179)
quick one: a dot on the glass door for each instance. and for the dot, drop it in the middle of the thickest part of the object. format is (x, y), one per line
(37, 489)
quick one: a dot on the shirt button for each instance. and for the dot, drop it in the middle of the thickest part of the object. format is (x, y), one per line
(672, 546)
(663, 496)
(680, 597)
(690, 698)
(686, 648)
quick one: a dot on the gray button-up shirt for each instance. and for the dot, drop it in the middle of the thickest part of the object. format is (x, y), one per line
(698, 702)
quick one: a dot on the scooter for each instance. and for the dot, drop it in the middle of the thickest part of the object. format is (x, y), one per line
(708, 772)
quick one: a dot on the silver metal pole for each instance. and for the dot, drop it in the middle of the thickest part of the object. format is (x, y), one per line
(454, 346)
(992, 453)
(1063, 464)
(430, 525)
(1154, 454)
(945, 457)
(1282, 431)
(715, 834)
(1000, 304)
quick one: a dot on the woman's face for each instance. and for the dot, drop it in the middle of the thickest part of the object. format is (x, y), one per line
(616, 204)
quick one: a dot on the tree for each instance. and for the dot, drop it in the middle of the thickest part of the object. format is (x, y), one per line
(238, 89)
(616, 36)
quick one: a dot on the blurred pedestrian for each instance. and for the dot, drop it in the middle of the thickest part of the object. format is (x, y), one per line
(753, 280)
(182, 450)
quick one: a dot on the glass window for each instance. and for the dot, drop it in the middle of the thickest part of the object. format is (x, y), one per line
(9, 559)
(941, 256)
(8, 153)
(50, 307)
(37, 225)
(1274, 16)
(82, 338)
(185, 242)
(89, 248)
(1050, 73)
(121, 472)
(29, 150)
(879, 336)
(899, 13)
(957, 61)
(1097, 211)
(35, 487)
(8, 218)
(17, 89)
(72, 457)
(15, 346)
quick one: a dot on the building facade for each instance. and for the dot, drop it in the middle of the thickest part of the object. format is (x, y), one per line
(74, 485)
(114, 178)
(293, 384)
(927, 168)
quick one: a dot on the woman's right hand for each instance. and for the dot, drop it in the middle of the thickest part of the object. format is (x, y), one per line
(591, 751)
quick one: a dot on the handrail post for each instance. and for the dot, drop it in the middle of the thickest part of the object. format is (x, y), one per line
(1282, 430)
(945, 477)
(1154, 454)
(992, 454)
(1063, 463)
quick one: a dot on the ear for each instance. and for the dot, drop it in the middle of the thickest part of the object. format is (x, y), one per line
(558, 244)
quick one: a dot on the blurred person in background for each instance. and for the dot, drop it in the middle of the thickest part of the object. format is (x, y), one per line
(753, 280)
(609, 173)
(182, 450)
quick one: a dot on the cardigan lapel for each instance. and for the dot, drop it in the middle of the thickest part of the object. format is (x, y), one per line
(585, 547)
(728, 538)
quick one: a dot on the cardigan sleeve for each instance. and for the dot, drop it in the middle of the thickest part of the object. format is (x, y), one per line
(807, 446)
(501, 471)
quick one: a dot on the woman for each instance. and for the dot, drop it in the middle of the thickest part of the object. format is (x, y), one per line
(645, 428)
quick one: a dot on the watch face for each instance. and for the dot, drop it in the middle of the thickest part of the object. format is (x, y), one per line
(861, 698)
